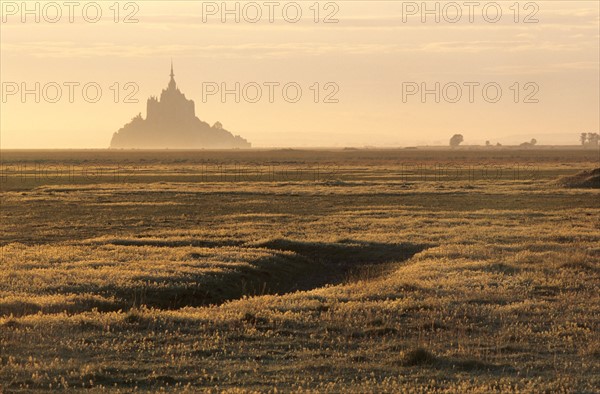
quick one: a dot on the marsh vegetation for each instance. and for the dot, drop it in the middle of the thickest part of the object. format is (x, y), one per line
(339, 271)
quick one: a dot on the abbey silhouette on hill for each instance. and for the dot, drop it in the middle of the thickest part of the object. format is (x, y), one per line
(171, 122)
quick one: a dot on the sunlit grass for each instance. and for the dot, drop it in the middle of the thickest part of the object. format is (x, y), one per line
(422, 287)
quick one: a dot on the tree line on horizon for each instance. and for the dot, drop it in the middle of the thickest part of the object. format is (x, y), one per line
(589, 139)
(586, 139)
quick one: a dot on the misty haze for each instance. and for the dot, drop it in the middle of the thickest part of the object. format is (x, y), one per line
(306, 197)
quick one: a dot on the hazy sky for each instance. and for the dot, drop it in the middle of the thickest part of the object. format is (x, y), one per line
(376, 51)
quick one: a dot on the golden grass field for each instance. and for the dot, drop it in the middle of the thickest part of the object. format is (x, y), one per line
(418, 271)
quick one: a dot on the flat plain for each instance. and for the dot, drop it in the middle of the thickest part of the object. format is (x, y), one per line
(407, 270)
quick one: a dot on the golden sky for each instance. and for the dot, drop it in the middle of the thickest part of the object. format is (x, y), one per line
(374, 49)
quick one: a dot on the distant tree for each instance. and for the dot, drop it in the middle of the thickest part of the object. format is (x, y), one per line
(529, 144)
(590, 138)
(487, 143)
(498, 144)
(583, 138)
(456, 140)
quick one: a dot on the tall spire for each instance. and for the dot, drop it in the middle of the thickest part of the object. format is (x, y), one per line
(172, 84)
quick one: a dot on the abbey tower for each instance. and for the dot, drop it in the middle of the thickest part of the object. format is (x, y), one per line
(172, 105)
